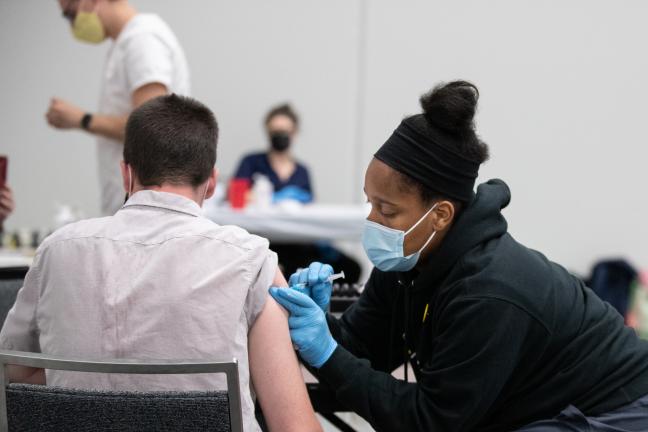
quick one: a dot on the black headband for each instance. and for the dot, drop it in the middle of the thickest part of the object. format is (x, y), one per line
(424, 153)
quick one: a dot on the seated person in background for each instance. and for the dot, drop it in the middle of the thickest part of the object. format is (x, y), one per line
(291, 180)
(6, 204)
(157, 280)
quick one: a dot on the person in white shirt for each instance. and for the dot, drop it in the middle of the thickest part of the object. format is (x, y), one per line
(145, 60)
(157, 280)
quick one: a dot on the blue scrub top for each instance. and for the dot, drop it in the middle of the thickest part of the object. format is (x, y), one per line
(259, 163)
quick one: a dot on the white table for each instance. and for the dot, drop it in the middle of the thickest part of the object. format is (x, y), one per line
(15, 258)
(296, 223)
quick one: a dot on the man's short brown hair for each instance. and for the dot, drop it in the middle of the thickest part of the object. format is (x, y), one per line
(171, 139)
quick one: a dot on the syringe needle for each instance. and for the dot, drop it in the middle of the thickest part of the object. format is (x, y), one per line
(329, 279)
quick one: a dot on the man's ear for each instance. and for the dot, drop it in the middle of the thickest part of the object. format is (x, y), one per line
(213, 180)
(125, 176)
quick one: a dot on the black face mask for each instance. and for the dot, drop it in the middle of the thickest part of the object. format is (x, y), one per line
(280, 141)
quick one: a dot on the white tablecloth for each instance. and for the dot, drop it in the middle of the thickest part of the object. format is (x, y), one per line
(296, 223)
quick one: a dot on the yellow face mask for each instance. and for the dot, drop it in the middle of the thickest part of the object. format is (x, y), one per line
(87, 27)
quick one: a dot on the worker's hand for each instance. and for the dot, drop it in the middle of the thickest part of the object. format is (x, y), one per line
(308, 328)
(318, 287)
(6, 203)
(64, 115)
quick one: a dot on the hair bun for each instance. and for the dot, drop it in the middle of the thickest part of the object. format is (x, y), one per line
(451, 106)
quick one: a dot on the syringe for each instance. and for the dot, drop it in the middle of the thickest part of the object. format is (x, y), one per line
(329, 279)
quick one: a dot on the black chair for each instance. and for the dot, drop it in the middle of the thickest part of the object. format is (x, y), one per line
(13, 272)
(25, 407)
(8, 292)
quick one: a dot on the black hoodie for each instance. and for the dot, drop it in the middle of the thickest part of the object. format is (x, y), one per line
(509, 337)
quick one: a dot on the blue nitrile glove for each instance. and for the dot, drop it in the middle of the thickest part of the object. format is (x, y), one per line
(308, 328)
(293, 193)
(318, 288)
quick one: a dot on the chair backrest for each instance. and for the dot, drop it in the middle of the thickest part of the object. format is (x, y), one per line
(35, 408)
(8, 292)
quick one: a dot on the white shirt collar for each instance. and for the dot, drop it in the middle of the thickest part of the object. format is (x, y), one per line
(164, 200)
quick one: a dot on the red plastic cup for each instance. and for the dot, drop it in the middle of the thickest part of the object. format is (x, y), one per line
(237, 194)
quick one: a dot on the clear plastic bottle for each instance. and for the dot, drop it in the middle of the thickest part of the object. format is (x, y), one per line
(262, 191)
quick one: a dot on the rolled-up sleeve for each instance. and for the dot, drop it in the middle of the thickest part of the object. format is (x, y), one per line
(20, 329)
(263, 268)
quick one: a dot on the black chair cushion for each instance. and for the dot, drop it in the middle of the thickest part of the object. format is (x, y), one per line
(42, 408)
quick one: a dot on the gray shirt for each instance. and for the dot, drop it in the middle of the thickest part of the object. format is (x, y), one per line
(155, 281)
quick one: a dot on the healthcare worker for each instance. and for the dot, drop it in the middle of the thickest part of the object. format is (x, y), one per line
(499, 337)
(145, 60)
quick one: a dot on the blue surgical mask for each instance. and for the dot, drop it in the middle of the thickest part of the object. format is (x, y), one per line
(384, 246)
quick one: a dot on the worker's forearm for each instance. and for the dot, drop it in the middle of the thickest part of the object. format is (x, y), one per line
(113, 127)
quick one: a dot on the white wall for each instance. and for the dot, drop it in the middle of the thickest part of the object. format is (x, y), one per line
(562, 99)
(563, 108)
